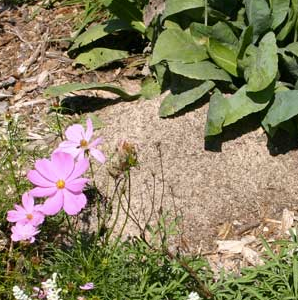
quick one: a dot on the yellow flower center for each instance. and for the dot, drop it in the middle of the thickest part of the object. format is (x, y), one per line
(60, 184)
(83, 143)
(29, 216)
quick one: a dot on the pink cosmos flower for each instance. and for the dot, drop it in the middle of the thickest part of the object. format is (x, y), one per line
(26, 214)
(25, 232)
(87, 286)
(78, 142)
(59, 179)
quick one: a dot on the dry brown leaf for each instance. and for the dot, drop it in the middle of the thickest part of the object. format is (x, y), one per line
(251, 256)
(287, 220)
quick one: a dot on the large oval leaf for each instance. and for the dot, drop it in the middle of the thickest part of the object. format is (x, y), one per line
(174, 6)
(204, 70)
(224, 56)
(225, 111)
(289, 25)
(293, 48)
(127, 11)
(56, 91)
(98, 57)
(279, 12)
(246, 39)
(177, 45)
(224, 34)
(258, 15)
(175, 102)
(98, 31)
(261, 64)
(284, 107)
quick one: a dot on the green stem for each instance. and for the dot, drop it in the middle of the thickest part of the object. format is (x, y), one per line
(127, 212)
(206, 13)
(117, 214)
(296, 29)
(70, 227)
(59, 125)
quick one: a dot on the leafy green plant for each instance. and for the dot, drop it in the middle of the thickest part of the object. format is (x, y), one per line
(247, 49)
(125, 16)
(277, 278)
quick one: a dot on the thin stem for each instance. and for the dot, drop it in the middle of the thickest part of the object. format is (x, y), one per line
(9, 159)
(117, 212)
(59, 125)
(70, 227)
(13, 174)
(206, 13)
(296, 29)
(128, 204)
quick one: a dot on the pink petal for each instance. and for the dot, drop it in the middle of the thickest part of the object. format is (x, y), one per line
(96, 142)
(98, 155)
(87, 286)
(53, 204)
(75, 133)
(70, 147)
(89, 130)
(28, 202)
(46, 169)
(15, 216)
(36, 178)
(81, 154)
(68, 144)
(63, 164)
(73, 203)
(77, 185)
(43, 192)
(81, 167)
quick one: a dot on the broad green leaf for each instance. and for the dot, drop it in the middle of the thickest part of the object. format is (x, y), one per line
(220, 32)
(150, 88)
(204, 70)
(284, 107)
(293, 48)
(98, 57)
(224, 34)
(177, 45)
(279, 12)
(262, 63)
(216, 114)
(246, 39)
(56, 91)
(225, 111)
(258, 15)
(174, 6)
(289, 25)
(223, 56)
(289, 67)
(98, 31)
(127, 11)
(295, 5)
(200, 33)
(175, 102)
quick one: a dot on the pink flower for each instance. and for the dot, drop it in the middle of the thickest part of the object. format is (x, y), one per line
(59, 179)
(87, 286)
(25, 232)
(26, 214)
(78, 142)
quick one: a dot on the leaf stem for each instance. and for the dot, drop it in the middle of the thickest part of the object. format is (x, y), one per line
(206, 13)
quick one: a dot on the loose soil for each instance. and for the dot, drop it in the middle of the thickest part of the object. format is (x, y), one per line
(238, 181)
